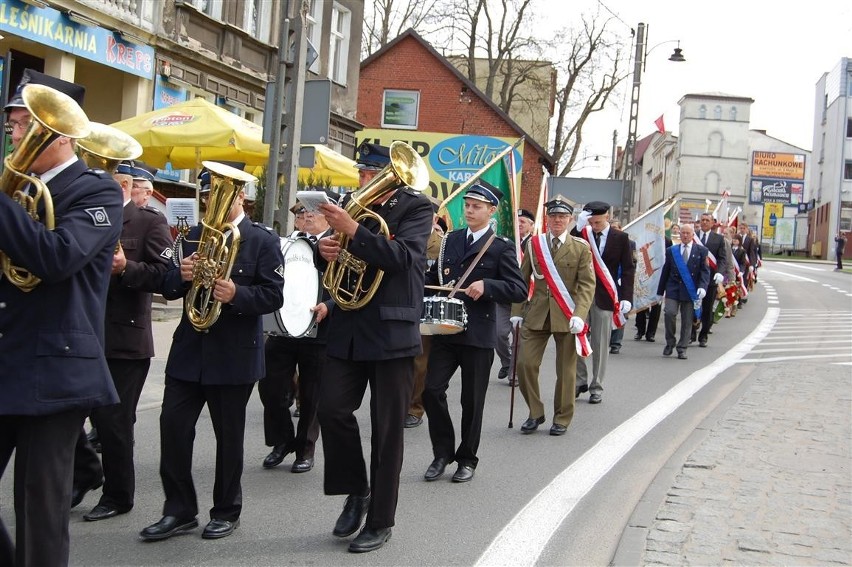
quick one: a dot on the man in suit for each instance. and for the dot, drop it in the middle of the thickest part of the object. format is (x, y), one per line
(283, 355)
(495, 278)
(612, 259)
(216, 366)
(52, 348)
(376, 345)
(562, 267)
(526, 221)
(138, 266)
(681, 294)
(617, 334)
(718, 261)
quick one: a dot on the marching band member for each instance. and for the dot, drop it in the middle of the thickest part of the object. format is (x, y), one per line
(217, 367)
(52, 347)
(559, 307)
(495, 277)
(138, 266)
(376, 345)
(283, 354)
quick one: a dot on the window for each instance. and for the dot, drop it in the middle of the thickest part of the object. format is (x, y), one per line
(733, 114)
(258, 14)
(717, 112)
(400, 109)
(847, 171)
(702, 112)
(338, 51)
(313, 31)
(212, 8)
(849, 127)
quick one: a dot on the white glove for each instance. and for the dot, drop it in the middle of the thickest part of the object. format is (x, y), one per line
(718, 278)
(701, 293)
(516, 321)
(583, 220)
(576, 324)
(751, 268)
(625, 306)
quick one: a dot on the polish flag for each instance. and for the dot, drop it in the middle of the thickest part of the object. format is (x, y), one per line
(661, 126)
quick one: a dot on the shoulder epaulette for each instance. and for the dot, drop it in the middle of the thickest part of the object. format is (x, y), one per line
(264, 227)
(578, 239)
(99, 173)
(151, 210)
(504, 239)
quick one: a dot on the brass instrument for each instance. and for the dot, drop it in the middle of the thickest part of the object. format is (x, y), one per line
(53, 114)
(344, 277)
(105, 147)
(215, 257)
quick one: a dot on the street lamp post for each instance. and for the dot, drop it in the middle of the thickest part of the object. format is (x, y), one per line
(629, 162)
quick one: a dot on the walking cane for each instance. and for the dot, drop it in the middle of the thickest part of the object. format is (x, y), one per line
(515, 336)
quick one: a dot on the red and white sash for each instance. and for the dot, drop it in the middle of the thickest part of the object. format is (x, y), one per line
(741, 283)
(557, 287)
(618, 318)
(710, 257)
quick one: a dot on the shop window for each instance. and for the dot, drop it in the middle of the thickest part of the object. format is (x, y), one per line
(338, 63)
(313, 31)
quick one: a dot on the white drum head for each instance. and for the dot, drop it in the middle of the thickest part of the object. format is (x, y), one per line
(301, 287)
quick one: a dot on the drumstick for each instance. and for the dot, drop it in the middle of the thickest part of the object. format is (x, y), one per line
(444, 288)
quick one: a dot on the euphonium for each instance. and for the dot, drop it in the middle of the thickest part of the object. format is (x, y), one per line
(105, 147)
(344, 277)
(54, 114)
(215, 257)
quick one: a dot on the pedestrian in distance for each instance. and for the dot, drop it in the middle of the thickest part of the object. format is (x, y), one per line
(839, 248)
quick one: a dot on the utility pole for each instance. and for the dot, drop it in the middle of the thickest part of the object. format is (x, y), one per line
(275, 92)
(628, 186)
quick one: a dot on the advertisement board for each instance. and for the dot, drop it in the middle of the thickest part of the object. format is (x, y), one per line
(777, 165)
(764, 190)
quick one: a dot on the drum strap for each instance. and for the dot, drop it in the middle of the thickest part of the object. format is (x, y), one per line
(472, 265)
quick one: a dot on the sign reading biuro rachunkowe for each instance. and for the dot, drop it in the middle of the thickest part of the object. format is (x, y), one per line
(53, 28)
(451, 159)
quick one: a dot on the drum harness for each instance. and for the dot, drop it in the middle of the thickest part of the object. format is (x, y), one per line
(469, 268)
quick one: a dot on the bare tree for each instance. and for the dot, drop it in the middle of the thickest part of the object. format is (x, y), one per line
(386, 19)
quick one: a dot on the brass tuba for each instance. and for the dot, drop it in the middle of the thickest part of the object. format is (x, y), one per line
(106, 147)
(215, 257)
(54, 114)
(344, 277)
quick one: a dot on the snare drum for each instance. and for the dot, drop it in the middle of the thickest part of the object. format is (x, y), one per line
(302, 291)
(443, 316)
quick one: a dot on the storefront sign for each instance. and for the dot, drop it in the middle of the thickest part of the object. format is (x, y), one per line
(53, 28)
(778, 165)
(775, 191)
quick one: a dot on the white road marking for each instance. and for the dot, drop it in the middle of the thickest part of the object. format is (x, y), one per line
(809, 349)
(782, 358)
(794, 276)
(784, 341)
(524, 538)
(842, 363)
(801, 267)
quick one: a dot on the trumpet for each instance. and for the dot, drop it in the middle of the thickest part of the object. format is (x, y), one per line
(54, 114)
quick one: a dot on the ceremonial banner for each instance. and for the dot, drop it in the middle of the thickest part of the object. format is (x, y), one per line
(648, 232)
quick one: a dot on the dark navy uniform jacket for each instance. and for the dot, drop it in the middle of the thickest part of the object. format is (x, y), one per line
(498, 269)
(230, 352)
(52, 338)
(387, 327)
(147, 245)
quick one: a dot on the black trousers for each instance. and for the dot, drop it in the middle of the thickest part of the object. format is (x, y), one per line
(283, 356)
(647, 321)
(444, 359)
(115, 426)
(44, 462)
(182, 405)
(707, 318)
(342, 389)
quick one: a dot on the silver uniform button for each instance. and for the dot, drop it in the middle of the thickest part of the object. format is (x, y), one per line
(67, 348)
(2, 305)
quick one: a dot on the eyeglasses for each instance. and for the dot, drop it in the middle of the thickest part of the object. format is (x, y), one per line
(10, 125)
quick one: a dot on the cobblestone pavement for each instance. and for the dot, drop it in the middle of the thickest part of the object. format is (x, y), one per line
(771, 483)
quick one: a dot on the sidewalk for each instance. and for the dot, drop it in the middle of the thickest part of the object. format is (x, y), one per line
(769, 484)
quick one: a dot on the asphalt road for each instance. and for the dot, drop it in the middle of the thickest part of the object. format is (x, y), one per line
(287, 520)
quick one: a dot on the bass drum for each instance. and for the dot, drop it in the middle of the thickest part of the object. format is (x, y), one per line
(302, 290)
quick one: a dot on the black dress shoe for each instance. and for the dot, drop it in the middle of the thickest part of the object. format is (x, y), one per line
(370, 539)
(580, 389)
(274, 458)
(102, 512)
(436, 469)
(353, 514)
(667, 351)
(638, 337)
(167, 527)
(79, 493)
(302, 465)
(649, 338)
(614, 349)
(412, 421)
(463, 474)
(531, 424)
(681, 355)
(595, 399)
(92, 438)
(702, 343)
(557, 429)
(217, 528)
(503, 373)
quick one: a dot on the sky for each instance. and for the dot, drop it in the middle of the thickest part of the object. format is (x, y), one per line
(772, 52)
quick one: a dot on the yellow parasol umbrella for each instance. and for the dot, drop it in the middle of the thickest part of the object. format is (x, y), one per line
(329, 165)
(187, 133)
